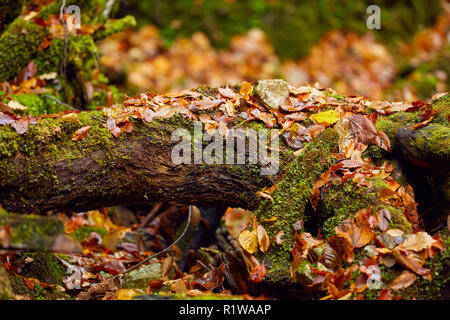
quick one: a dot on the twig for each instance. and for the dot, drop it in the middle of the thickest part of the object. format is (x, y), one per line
(60, 102)
(150, 215)
(162, 251)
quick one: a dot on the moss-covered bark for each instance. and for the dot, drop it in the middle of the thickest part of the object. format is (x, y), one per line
(18, 44)
(44, 169)
(290, 200)
(32, 232)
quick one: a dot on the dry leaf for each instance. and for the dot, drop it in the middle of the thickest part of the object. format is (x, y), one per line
(258, 273)
(113, 128)
(81, 133)
(263, 239)
(418, 241)
(404, 280)
(248, 241)
(70, 117)
(357, 231)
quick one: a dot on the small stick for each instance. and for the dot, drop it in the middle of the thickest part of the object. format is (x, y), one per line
(150, 215)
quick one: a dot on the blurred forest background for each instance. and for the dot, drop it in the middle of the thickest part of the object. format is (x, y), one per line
(170, 45)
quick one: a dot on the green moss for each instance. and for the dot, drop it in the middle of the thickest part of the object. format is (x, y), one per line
(30, 231)
(115, 26)
(38, 104)
(44, 267)
(291, 197)
(19, 43)
(442, 108)
(390, 124)
(84, 232)
(342, 200)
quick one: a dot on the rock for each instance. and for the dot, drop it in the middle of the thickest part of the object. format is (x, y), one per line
(5, 285)
(139, 278)
(272, 92)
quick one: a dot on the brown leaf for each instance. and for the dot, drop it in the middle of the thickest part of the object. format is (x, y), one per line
(263, 239)
(81, 133)
(29, 283)
(410, 264)
(21, 126)
(294, 140)
(279, 237)
(212, 279)
(126, 126)
(404, 280)
(315, 192)
(357, 231)
(362, 129)
(113, 128)
(258, 273)
(383, 217)
(386, 194)
(418, 241)
(5, 118)
(227, 93)
(385, 294)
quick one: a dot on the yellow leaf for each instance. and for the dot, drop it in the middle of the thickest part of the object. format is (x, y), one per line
(263, 239)
(419, 241)
(248, 241)
(327, 117)
(70, 117)
(126, 294)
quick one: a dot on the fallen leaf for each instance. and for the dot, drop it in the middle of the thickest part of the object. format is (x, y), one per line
(404, 280)
(418, 241)
(362, 129)
(70, 117)
(357, 230)
(126, 126)
(258, 273)
(325, 118)
(248, 241)
(113, 128)
(246, 90)
(21, 126)
(279, 237)
(212, 279)
(126, 294)
(263, 239)
(81, 133)
(385, 294)
(383, 217)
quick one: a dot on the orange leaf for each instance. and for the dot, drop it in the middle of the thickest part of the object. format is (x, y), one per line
(404, 280)
(81, 133)
(263, 239)
(246, 90)
(29, 283)
(258, 273)
(357, 231)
